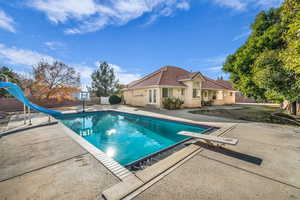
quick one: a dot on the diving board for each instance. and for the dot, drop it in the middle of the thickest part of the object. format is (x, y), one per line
(17, 92)
(209, 138)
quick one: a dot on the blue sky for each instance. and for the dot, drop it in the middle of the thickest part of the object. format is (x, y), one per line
(135, 36)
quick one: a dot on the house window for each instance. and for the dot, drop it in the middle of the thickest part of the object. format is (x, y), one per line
(152, 96)
(196, 93)
(167, 92)
(182, 91)
(231, 94)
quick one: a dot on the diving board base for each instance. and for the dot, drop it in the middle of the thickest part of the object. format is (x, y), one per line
(210, 139)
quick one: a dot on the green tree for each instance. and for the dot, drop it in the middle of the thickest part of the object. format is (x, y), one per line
(266, 67)
(6, 73)
(220, 78)
(291, 19)
(104, 81)
(119, 88)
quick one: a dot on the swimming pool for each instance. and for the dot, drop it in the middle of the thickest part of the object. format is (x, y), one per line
(125, 137)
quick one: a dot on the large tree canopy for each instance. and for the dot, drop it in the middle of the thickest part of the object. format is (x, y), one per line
(104, 81)
(55, 81)
(267, 66)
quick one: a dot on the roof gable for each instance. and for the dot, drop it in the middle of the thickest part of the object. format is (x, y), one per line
(167, 76)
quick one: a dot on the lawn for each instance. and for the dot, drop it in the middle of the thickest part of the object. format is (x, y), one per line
(255, 113)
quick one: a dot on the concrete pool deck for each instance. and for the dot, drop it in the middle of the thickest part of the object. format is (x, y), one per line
(44, 163)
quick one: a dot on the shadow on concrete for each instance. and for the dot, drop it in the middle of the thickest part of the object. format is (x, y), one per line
(231, 153)
(19, 130)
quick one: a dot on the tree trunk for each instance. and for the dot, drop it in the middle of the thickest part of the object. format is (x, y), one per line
(294, 108)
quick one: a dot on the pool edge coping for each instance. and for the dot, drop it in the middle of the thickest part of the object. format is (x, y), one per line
(93, 148)
(146, 178)
(111, 165)
(131, 184)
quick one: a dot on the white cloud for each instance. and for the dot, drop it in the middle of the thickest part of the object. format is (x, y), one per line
(268, 3)
(215, 68)
(241, 5)
(218, 60)
(85, 71)
(184, 5)
(25, 57)
(117, 68)
(166, 12)
(235, 4)
(124, 76)
(53, 45)
(6, 22)
(208, 62)
(210, 65)
(91, 15)
(19, 56)
(59, 11)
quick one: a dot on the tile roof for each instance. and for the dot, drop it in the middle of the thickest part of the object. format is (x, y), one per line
(172, 76)
(226, 84)
(216, 84)
(168, 75)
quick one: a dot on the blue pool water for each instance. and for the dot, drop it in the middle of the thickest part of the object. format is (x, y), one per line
(126, 137)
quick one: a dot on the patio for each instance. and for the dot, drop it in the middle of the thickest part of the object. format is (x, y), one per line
(45, 163)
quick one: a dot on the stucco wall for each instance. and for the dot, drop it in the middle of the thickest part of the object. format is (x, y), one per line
(140, 97)
(229, 99)
(136, 97)
(189, 101)
(222, 97)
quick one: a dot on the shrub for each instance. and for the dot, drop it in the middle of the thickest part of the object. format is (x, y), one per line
(114, 99)
(172, 103)
(207, 103)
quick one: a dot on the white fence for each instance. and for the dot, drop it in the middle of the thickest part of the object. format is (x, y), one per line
(104, 100)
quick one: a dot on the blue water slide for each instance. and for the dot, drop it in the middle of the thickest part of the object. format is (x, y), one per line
(17, 92)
